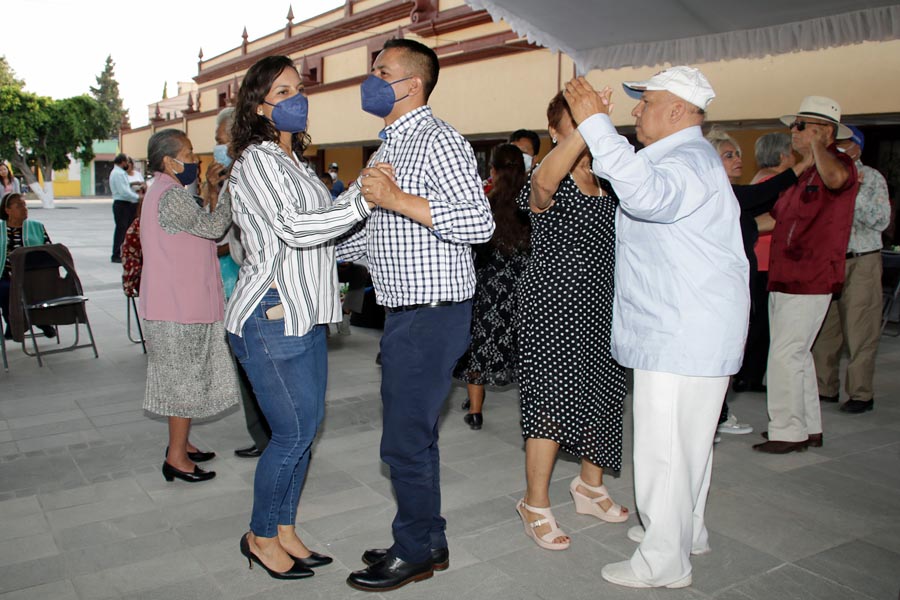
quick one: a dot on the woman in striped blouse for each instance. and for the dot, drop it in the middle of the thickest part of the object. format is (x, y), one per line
(286, 293)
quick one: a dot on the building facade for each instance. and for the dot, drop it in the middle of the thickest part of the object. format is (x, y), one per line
(493, 82)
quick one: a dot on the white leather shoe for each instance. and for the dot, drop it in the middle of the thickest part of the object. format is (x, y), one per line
(636, 534)
(622, 574)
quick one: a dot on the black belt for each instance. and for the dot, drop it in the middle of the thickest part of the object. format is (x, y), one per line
(394, 309)
(858, 254)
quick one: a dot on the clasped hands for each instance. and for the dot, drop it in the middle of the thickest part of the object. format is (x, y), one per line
(378, 185)
(584, 101)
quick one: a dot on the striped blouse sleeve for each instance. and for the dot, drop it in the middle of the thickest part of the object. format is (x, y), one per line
(270, 190)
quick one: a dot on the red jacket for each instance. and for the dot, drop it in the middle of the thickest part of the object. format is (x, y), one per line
(812, 229)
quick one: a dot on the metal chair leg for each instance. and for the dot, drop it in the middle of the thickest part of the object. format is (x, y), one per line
(131, 303)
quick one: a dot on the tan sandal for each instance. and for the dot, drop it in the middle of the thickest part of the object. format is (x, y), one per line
(585, 505)
(544, 541)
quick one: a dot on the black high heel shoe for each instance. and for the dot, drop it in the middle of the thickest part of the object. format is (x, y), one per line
(313, 560)
(170, 473)
(197, 456)
(474, 420)
(298, 571)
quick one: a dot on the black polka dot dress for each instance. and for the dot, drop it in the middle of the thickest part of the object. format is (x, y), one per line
(572, 391)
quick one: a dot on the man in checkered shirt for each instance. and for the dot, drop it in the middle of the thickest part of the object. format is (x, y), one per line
(430, 210)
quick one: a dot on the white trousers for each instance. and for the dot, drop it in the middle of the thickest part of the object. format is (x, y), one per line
(675, 419)
(793, 393)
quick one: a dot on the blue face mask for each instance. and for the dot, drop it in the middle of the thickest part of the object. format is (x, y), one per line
(290, 115)
(378, 96)
(220, 155)
(189, 175)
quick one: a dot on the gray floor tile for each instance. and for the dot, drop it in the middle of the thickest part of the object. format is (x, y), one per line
(58, 590)
(23, 575)
(23, 549)
(860, 566)
(79, 468)
(30, 472)
(791, 582)
(112, 530)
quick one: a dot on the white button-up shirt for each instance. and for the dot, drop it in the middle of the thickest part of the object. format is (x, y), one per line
(682, 299)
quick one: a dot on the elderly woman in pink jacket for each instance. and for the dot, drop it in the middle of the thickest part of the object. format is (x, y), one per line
(190, 373)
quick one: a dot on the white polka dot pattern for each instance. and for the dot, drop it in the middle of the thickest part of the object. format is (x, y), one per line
(572, 390)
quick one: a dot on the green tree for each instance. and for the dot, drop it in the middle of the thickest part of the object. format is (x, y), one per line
(39, 132)
(165, 90)
(8, 76)
(107, 94)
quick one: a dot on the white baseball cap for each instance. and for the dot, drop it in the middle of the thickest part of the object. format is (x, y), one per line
(820, 107)
(687, 83)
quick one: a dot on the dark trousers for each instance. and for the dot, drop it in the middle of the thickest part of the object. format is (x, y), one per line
(756, 353)
(123, 214)
(4, 300)
(257, 426)
(419, 350)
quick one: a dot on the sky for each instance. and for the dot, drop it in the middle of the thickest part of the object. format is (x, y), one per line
(59, 47)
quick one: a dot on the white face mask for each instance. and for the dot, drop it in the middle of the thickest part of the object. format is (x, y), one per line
(528, 160)
(333, 175)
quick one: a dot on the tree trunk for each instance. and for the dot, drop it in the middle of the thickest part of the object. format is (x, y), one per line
(47, 196)
(32, 182)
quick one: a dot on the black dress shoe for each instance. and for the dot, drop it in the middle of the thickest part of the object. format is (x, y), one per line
(170, 473)
(197, 456)
(739, 385)
(439, 556)
(466, 404)
(474, 420)
(854, 407)
(313, 560)
(251, 452)
(389, 574)
(814, 441)
(48, 331)
(779, 447)
(834, 398)
(298, 571)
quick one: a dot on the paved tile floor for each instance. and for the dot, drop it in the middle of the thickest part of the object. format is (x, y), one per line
(85, 512)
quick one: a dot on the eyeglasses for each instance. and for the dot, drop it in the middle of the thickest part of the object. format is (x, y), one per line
(798, 125)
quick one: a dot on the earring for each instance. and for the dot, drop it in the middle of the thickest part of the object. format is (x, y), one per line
(553, 139)
(259, 111)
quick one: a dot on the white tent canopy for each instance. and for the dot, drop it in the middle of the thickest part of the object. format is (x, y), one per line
(602, 34)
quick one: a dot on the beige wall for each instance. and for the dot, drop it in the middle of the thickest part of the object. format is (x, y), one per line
(750, 89)
(489, 98)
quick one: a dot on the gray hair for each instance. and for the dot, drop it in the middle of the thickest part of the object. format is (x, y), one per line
(163, 143)
(769, 149)
(226, 116)
(718, 136)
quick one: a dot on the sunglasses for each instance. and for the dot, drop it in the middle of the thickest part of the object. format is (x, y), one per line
(801, 125)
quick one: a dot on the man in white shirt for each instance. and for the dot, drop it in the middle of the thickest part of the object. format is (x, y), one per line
(681, 306)
(125, 201)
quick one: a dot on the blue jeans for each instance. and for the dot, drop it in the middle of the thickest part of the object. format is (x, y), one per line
(419, 350)
(288, 375)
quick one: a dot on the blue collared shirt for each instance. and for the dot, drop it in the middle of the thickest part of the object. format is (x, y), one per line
(682, 299)
(121, 187)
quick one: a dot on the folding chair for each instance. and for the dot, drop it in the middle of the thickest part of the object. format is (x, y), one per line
(49, 293)
(3, 348)
(132, 267)
(890, 282)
